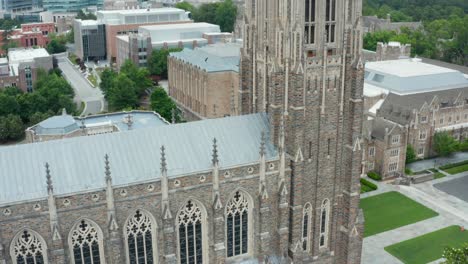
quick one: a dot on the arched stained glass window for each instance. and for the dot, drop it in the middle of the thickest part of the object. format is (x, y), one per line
(306, 223)
(324, 219)
(28, 247)
(237, 224)
(190, 231)
(86, 243)
(140, 233)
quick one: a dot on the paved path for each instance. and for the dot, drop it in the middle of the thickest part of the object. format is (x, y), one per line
(92, 97)
(436, 162)
(452, 211)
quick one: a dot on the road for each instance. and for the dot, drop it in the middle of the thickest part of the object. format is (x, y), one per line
(92, 97)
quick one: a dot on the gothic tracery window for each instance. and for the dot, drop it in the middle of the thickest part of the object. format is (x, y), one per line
(140, 234)
(324, 222)
(330, 20)
(306, 223)
(190, 229)
(309, 31)
(29, 248)
(86, 243)
(237, 225)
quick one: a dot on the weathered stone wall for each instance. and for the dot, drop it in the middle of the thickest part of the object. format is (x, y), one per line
(267, 220)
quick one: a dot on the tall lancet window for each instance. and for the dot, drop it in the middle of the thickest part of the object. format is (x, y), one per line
(237, 225)
(306, 222)
(330, 20)
(140, 233)
(309, 32)
(190, 228)
(86, 243)
(324, 222)
(28, 247)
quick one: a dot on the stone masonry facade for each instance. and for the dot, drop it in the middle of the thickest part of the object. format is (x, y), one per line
(302, 63)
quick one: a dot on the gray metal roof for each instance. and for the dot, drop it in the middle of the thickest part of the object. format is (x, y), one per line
(57, 125)
(399, 108)
(213, 58)
(77, 164)
(410, 76)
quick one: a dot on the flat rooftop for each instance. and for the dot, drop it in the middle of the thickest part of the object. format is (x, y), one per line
(182, 26)
(410, 76)
(163, 10)
(26, 54)
(212, 58)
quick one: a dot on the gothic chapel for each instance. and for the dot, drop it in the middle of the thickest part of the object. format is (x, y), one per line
(277, 184)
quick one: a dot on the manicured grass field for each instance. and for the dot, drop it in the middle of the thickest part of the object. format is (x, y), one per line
(458, 169)
(439, 175)
(428, 247)
(391, 210)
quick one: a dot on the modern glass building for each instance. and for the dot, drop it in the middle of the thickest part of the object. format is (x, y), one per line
(69, 5)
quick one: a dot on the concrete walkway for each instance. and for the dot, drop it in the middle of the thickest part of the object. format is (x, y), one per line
(452, 211)
(437, 162)
(84, 92)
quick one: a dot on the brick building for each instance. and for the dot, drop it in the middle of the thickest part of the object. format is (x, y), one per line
(138, 46)
(414, 100)
(30, 35)
(204, 81)
(278, 184)
(123, 22)
(21, 67)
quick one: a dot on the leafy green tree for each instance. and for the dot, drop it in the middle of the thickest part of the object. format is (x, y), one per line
(55, 46)
(226, 14)
(11, 128)
(206, 13)
(186, 6)
(89, 16)
(140, 76)
(107, 80)
(456, 255)
(38, 117)
(122, 94)
(164, 105)
(157, 62)
(410, 154)
(8, 105)
(444, 144)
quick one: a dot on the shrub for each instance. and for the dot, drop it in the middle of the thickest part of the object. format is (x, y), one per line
(368, 184)
(375, 176)
(410, 154)
(453, 165)
(408, 171)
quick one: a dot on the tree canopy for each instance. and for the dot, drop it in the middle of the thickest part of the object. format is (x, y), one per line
(85, 16)
(456, 255)
(223, 14)
(51, 94)
(57, 43)
(157, 62)
(444, 144)
(164, 105)
(124, 89)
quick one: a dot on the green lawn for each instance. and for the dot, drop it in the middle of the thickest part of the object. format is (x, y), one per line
(391, 210)
(428, 247)
(439, 175)
(458, 169)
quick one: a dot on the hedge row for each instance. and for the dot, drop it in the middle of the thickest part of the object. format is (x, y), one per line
(368, 184)
(453, 165)
(375, 176)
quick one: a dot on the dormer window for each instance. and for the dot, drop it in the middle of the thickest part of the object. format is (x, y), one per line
(423, 119)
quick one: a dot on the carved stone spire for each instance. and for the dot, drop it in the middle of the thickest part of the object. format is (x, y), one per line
(215, 161)
(282, 166)
(107, 167)
(53, 217)
(166, 211)
(111, 215)
(50, 186)
(262, 186)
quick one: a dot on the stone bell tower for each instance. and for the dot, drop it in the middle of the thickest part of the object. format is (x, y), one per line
(301, 62)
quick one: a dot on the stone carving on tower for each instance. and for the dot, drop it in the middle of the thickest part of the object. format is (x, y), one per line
(301, 63)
